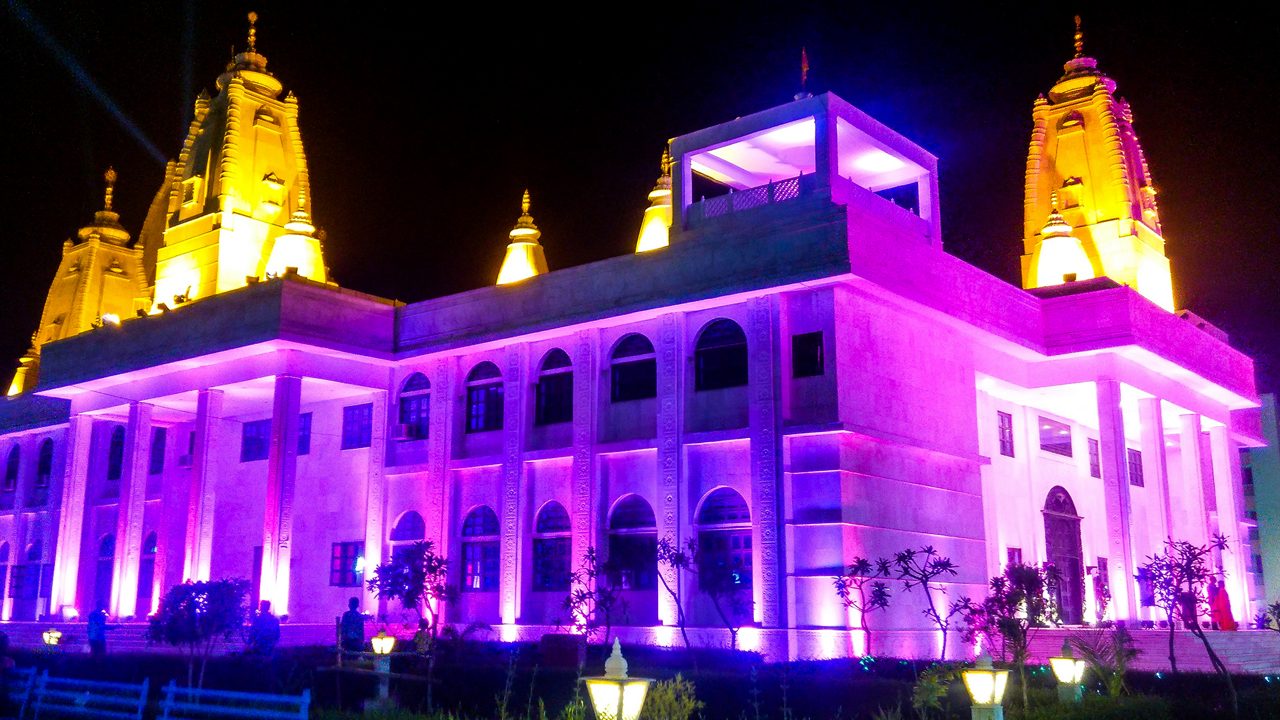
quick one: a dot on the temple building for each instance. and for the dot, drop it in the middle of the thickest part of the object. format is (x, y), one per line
(790, 372)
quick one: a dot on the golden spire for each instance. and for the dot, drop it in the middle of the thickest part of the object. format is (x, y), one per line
(525, 257)
(525, 230)
(1079, 38)
(110, 177)
(252, 32)
(655, 227)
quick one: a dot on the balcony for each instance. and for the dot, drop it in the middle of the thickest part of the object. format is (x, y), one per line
(741, 201)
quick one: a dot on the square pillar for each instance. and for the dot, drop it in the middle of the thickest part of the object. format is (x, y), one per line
(282, 473)
(129, 516)
(585, 513)
(671, 380)
(1197, 509)
(1226, 478)
(766, 496)
(201, 496)
(1155, 468)
(66, 568)
(375, 509)
(1115, 483)
(511, 563)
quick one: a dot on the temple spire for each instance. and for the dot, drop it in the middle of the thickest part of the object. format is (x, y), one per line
(655, 228)
(253, 31)
(525, 257)
(109, 193)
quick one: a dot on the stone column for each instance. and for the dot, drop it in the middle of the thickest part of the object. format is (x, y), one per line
(763, 373)
(375, 509)
(75, 482)
(1115, 483)
(1192, 464)
(510, 514)
(129, 516)
(671, 381)
(202, 493)
(1226, 479)
(282, 473)
(1155, 468)
(586, 514)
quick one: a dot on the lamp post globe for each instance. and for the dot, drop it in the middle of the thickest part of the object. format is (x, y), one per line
(1070, 672)
(986, 686)
(615, 695)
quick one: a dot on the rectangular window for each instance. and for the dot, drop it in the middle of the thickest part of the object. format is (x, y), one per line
(415, 416)
(633, 561)
(726, 559)
(304, 434)
(357, 426)
(255, 440)
(551, 564)
(1095, 459)
(806, 355)
(1006, 433)
(480, 566)
(1014, 556)
(554, 401)
(484, 407)
(346, 564)
(185, 461)
(1055, 437)
(1134, 458)
(158, 438)
(634, 380)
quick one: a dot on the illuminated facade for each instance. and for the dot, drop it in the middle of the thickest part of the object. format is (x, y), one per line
(792, 374)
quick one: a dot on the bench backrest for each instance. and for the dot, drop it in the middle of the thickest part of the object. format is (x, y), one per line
(196, 704)
(73, 697)
(20, 682)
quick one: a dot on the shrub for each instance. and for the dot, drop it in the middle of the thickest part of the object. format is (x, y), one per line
(674, 699)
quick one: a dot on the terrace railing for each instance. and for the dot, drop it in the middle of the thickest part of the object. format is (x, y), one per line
(751, 198)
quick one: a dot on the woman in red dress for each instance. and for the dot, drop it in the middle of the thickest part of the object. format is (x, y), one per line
(1220, 606)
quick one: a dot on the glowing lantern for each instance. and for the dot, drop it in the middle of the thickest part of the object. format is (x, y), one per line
(614, 696)
(1069, 672)
(383, 643)
(52, 637)
(986, 688)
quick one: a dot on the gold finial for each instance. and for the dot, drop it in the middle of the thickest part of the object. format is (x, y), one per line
(524, 202)
(666, 162)
(110, 177)
(804, 68)
(1079, 38)
(253, 31)
(1053, 200)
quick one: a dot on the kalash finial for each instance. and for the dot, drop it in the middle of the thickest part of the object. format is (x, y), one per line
(253, 31)
(110, 177)
(665, 164)
(525, 203)
(1079, 38)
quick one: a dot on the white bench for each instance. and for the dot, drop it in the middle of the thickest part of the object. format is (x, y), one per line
(72, 697)
(20, 681)
(194, 704)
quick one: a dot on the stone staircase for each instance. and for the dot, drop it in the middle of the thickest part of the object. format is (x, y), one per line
(131, 637)
(1248, 652)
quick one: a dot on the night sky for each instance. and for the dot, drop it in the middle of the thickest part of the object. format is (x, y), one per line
(423, 125)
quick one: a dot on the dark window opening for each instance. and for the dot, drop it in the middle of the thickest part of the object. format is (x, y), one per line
(634, 370)
(11, 467)
(415, 408)
(1134, 461)
(44, 464)
(304, 434)
(553, 395)
(480, 556)
(1006, 433)
(158, 438)
(720, 358)
(906, 197)
(1055, 437)
(255, 440)
(806, 355)
(115, 454)
(346, 564)
(357, 426)
(484, 399)
(1095, 459)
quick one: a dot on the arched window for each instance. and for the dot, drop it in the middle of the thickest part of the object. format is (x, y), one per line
(115, 454)
(552, 549)
(44, 464)
(633, 372)
(724, 541)
(1063, 548)
(11, 467)
(480, 551)
(106, 563)
(409, 529)
(633, 545)
(554, 391)
(415, 408)
(720, 357)
(484, 398)
(147, 574)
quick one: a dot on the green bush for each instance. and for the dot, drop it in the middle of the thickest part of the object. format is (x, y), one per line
(675, 699)
(1095, 707)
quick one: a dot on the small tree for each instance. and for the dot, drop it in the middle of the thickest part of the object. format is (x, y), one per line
(671, 557)
(1269, 619)
(194, 616)
(1108, 656)
(417, 577)
(1019, 601)
(861, 589)
(1179, 577)
(919, 568)
(591, 600)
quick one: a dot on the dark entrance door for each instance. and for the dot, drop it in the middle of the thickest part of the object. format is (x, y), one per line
(1062, 547)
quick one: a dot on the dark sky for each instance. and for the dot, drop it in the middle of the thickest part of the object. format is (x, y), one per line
(422, 126)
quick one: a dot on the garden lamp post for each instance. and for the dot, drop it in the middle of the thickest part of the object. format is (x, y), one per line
(614, 696)
(1069, 672)
(986, 688)
(383, 644)
(51, 637)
